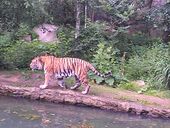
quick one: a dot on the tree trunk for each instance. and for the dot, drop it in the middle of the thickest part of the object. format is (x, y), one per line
(92, 15)
(85, 13)
(155, 3)
(72, 97)
(77, 33)
(148, 3)
(158, 3)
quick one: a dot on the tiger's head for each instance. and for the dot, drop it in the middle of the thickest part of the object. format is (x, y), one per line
(36, 64)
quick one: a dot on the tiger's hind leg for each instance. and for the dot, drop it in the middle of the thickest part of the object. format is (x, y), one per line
(78, 84)
(61, 83)
(86, 89)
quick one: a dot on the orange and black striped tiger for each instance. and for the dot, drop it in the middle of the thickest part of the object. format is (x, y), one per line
(61, 68)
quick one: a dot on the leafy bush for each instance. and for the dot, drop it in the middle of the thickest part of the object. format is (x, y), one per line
(133, 44)
(23, 30)
(66, 37)
(149, 65)
(5, 42)
(105, 60)
(20, 54)
(86, 44)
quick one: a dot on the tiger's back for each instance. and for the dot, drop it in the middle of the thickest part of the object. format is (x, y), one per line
(70, 66)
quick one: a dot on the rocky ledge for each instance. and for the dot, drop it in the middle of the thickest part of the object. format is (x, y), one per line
(76, 98)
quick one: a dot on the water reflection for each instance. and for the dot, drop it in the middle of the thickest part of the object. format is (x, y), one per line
(21, 113)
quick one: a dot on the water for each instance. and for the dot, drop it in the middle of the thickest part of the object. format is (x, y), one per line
(22, 113)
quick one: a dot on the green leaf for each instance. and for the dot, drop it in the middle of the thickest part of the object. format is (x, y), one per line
(110, 81)
(99, 80)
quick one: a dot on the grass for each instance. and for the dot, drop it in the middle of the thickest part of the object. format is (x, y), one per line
(145, 102)
(129, 86)
(8, 73)
(158, 93)
(126, 95)
(98, 89)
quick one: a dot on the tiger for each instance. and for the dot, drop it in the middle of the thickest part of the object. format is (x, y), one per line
(65, 67)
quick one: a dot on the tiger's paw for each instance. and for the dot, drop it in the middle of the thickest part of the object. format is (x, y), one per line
(75, 87)
(43, 86)
(84, 92)
(72, 88)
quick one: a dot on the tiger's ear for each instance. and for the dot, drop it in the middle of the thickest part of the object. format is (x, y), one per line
(38, 58)
(47, 54)
(43, 54)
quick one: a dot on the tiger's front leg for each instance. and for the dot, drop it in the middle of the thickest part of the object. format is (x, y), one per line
(45, 85)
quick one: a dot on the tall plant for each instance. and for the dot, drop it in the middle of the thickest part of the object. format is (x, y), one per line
(105, 61)
(151, 65)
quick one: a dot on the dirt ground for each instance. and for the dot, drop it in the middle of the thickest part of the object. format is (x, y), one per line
(28, 79)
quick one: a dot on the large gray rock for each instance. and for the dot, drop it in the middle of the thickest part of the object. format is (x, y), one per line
(46, 32)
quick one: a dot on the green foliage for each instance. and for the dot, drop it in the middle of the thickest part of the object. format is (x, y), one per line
(86, 44)
(20, 54)
(105, 61)
(15, 12)
(5, 42)
(159, 17)
(149, 65)
(131, 44)
(163, 93)
(62, 12)
(119, 10)
(66, 37)
(23, 30)
(129, 86)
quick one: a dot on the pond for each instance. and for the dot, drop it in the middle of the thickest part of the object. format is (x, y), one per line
(23, 113)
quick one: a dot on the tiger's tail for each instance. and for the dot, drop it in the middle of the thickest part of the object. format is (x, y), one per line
(92, 68)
